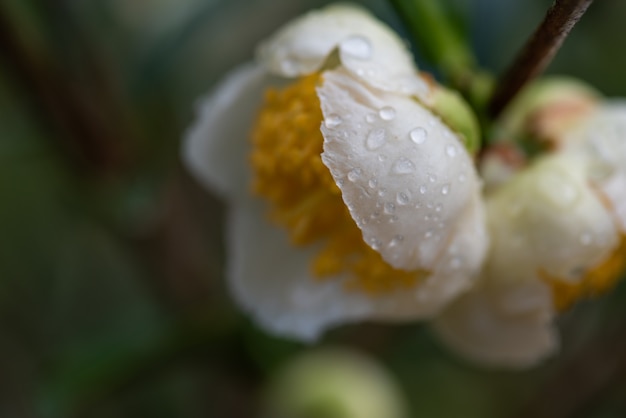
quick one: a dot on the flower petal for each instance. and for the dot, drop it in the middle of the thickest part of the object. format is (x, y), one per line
(548, 219)
(477, 327)
(215, 147)
(404, 176)
(272, 280)
(602, 140)
(367, 48)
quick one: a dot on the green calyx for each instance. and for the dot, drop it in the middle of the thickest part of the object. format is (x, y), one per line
(457, 114)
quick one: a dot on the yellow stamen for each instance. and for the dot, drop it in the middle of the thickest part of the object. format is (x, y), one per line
(595, 282)
(303, 197)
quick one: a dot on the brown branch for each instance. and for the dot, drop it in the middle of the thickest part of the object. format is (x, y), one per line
(538, 51)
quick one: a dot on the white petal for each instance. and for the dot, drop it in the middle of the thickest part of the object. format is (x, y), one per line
(602, 140)
(614, 189)
(367, 48)
(272, 280)
(548, 219)
(477, 327)
(403, 174)
(215, 147)
(457, 268)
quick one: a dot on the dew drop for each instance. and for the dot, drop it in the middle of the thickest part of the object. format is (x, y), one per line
(333, 120)
(462, 178)
(376, 139)
(382, 158)
(455, 263)
(423, 189)
(439, 207)
(585, 239)
(445, 189)
(372, 183)
(393, 219)
(354, 174)
(451, 150)
(418, 135)
(382, 192)
(403, 198)
(357, 47)
(395, 241)
(387, 113)
(403, 166)
(432, 178)
(389, 208)
(428, 234)
(370, 117)
(375, 244)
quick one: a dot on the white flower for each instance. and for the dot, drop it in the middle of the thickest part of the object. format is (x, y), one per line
(387, 224)
(557, 234)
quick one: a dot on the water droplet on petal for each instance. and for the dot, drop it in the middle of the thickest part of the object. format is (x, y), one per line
(432, 178)
(403, 198)
(389, 208)
(455, 263)
(462, 178)
(439, 207)
(423, 189)
(403, 166)
(376, 139)
(585, 239)
(445, 189)
(370, 118)
(382, 192)
(387, 113)
(451, 150)
(395, 241)
(332, 121)
(357, 47)
(375, 243)
(354, 174)
(372, 183)
(418, 135)
(382, 158)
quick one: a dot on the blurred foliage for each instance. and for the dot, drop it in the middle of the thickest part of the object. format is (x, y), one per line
(112, 295)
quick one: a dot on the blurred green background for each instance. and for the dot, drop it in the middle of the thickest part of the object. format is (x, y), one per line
(112, 296)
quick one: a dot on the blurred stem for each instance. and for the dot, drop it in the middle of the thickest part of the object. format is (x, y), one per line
(434, 33)
(437, 38)
(538, 51)
(78, 123)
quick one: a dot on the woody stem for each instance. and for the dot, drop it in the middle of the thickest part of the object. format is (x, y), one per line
(538, 51)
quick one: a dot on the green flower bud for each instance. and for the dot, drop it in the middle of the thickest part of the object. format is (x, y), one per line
(333, 383)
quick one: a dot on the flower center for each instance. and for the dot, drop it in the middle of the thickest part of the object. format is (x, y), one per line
(303, 197)
(595, 282)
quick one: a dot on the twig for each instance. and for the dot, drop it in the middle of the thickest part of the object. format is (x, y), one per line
(538, 51)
